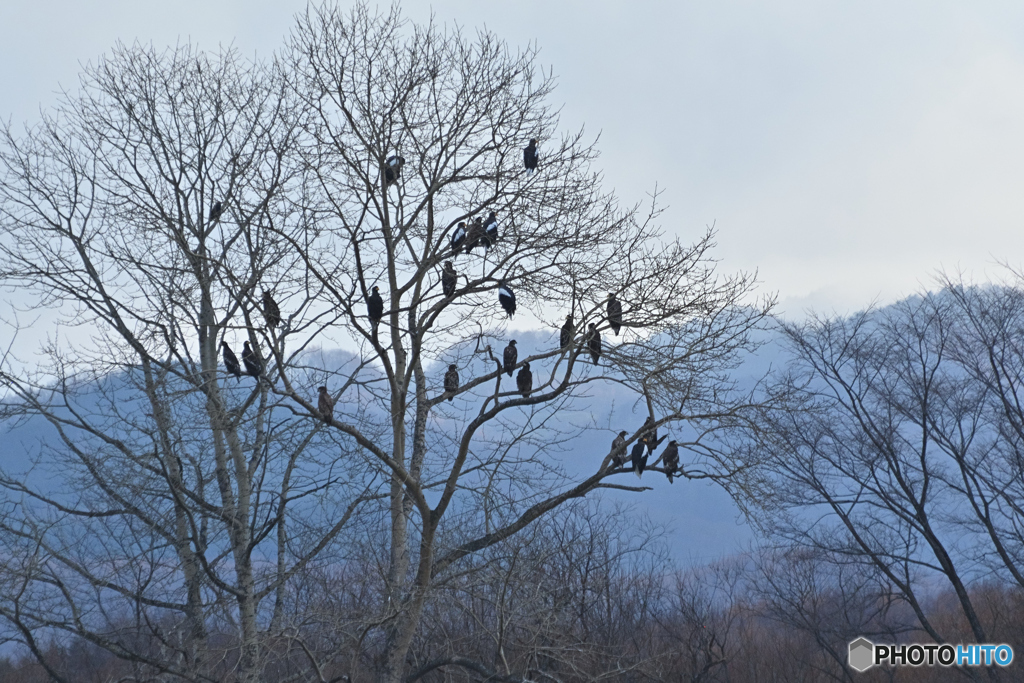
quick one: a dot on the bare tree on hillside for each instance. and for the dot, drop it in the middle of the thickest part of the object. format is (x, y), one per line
(906, 454)
(159, 207)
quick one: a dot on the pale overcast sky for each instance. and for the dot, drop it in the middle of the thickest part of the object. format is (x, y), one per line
(845, 150)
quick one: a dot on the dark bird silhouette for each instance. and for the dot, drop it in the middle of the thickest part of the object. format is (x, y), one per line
(568, 330)
(638, 456)
(458, 238)
(510, 357)
(216, 210)
(524, 380)
(614, 313)
(507, 298)
(231, 361)
(252, 363)
(490, 237)
(393, 168)
(650, 433)
(530, 156)
(671, 459)
(475, 236)
(619, 449)
(325, 404)
(451, 381)
(449, 278)
(375, 307)
(594, 342)
(271, 311)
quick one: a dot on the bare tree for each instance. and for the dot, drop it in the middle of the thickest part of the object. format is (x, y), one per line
(831, 599)
(147, 210)
(904, 453)
(459, 112)
(156, 208)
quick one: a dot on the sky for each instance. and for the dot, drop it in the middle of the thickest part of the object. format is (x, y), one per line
(845, 151)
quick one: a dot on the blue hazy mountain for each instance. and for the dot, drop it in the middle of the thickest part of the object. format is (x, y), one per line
(701, 520)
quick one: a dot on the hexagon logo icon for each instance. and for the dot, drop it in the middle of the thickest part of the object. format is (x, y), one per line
(862, 654)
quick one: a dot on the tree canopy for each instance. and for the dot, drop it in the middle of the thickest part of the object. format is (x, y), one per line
(178, 510)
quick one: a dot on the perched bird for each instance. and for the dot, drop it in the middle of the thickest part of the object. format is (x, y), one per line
(393, 168)
(530, 157)
(510, 356)
(458, 238)
(619, 449)
(325, 404)
(507, 298)
(451, 381)
(271, 311)
(524, 380)
(638, 456)
(216, 211)
(567, 332)
(448, 279)
(614, 313)
(252, 363)
(650, 433)
(671, 459)
(594, 342)
(375, 307)
(475, 236)
(490, 231)
(231, 361)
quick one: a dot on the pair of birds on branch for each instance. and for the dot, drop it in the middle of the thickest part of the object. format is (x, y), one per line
(524, 379)
(393, 164)
(648, 441)
(250, 359)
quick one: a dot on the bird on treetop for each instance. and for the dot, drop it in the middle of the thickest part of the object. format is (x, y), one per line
(253, 365)
(231, 361)
(530, 156)
(614, 313)
(507, 298)
(524, 380)
(451, 381)
(393, 168)
(619, 449)
(375, 307)
(594, 342)
(449, 278)
(638, 456)
(271, 311)
(510, 356)
(475, 236)
(490, 231)
(650, 434)
(671, 459)
(325, 404)
(458, 238)
(565, 338)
